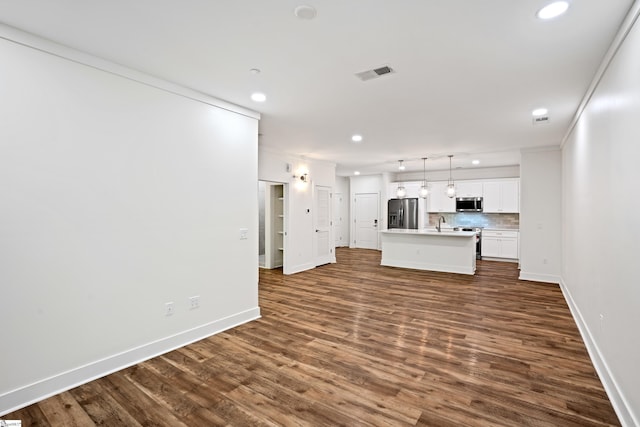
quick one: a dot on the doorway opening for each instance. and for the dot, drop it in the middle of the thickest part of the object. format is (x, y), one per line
(272, 224)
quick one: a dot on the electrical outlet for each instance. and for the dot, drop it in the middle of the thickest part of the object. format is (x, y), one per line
(244, 233)
(194, 302)
(169, 308)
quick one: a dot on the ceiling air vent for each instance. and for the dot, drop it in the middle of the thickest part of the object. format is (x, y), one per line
(375, 73)
(540, 119)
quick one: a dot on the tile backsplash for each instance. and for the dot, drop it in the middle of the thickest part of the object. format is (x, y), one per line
(477, 219)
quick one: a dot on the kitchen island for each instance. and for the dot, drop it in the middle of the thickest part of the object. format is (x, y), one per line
(428, 249)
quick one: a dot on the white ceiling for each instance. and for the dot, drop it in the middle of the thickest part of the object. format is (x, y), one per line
(468, 73)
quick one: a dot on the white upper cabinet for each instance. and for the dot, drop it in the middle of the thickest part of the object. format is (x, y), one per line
(413, 189)
(501, 196)
(438, 201)
(468, 188)
(392, 190)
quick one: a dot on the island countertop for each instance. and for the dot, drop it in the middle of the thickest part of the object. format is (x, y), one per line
(430, 232)
(429, 249)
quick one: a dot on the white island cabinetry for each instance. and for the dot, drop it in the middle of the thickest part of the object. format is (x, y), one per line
(448, 251)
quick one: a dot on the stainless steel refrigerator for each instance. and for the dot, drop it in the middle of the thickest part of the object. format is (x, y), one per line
(403, 213)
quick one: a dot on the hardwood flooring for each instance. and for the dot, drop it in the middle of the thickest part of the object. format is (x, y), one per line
(354, 343)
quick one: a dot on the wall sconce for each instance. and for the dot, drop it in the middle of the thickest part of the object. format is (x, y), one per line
(302, 177)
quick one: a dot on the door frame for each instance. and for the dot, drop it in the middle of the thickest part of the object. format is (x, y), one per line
(353, 213)
(332, 257)
(268, 219)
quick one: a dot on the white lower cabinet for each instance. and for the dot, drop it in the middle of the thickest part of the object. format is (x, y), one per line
(500, 244)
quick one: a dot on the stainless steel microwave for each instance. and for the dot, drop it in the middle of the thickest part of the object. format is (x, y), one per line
(468, 204)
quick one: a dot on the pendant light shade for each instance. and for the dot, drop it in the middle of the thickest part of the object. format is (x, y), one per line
(451, 191)
(451, 186)
(401, 192)
(424, 190)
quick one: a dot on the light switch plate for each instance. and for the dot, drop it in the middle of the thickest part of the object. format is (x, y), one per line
(244, 233)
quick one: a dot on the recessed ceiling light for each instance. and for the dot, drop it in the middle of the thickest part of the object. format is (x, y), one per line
(305, 12)
(255, 71)
(356, 138)
(475, 162)
(356, 173)
(539, 111)
(553, 10)
(258, 97)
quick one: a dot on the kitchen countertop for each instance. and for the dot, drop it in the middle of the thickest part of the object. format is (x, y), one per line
(500, 229)
(446, 232)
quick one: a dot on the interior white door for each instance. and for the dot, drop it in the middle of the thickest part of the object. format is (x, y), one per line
(366, 220)
(323, 243)
(338, 235)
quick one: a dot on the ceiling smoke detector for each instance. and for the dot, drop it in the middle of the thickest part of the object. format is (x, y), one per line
(305, 12)
(375, 73)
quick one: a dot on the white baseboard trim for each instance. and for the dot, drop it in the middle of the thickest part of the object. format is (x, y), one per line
(32, 393)
(489, 258)
(620, 404)
(535, 277)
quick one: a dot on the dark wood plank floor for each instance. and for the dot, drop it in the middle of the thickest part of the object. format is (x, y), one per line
(355, 343)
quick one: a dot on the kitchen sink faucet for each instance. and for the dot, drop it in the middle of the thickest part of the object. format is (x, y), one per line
(439, 226)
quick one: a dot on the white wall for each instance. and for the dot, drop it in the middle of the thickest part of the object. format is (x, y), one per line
(601, 230)
(300, 238)
(115, 199)
(541, 215)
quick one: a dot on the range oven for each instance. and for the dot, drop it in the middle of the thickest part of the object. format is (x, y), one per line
(478, 231)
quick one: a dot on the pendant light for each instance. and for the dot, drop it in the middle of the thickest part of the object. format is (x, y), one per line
(424, 190)
(451, 187)
(401, 192)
